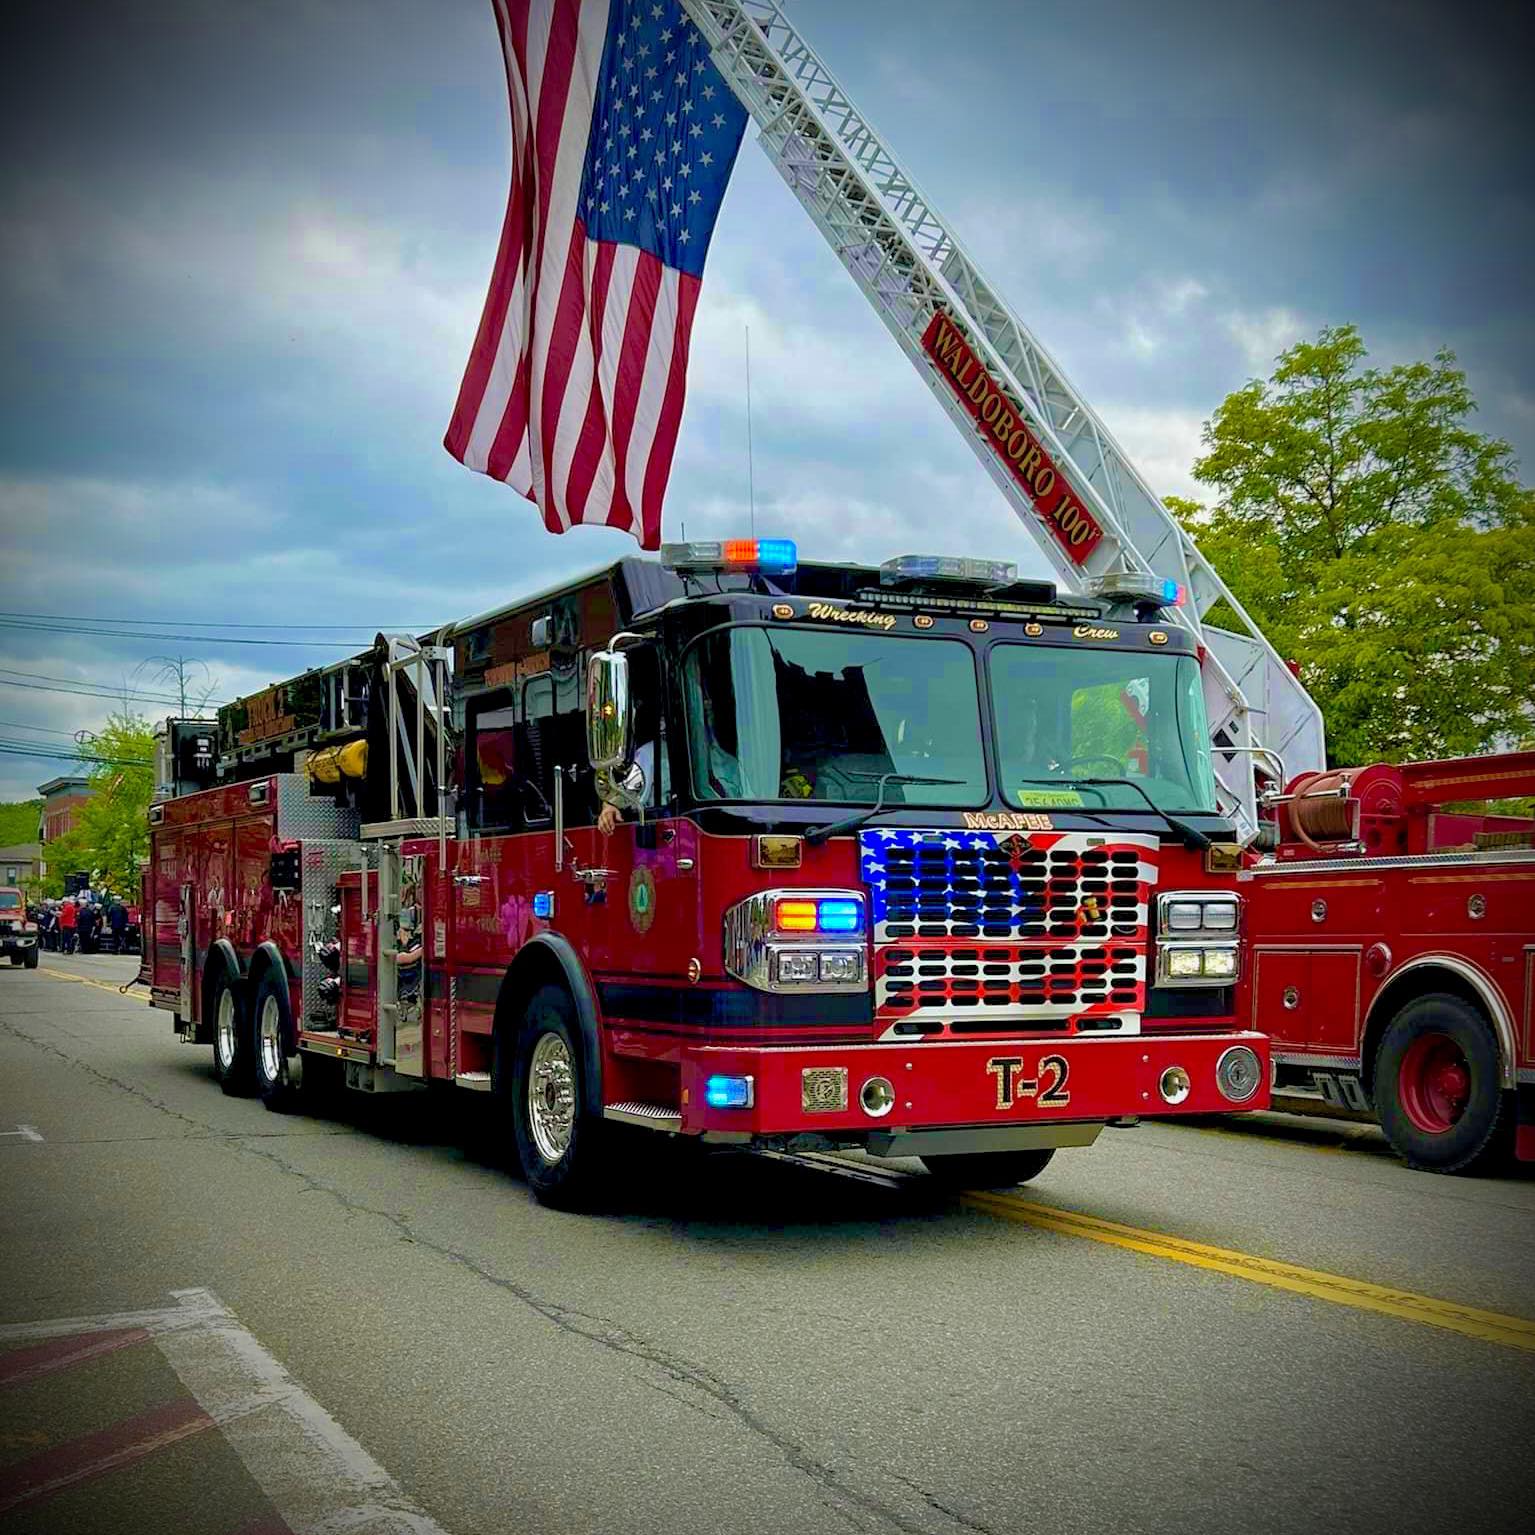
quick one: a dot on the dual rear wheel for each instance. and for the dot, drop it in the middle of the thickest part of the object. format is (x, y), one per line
(254, 1047)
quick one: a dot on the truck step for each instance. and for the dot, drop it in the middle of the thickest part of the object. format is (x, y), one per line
(478, 1081)
(653, 1116)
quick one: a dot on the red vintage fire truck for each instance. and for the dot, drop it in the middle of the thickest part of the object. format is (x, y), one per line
(918, 858)
(1393, 953)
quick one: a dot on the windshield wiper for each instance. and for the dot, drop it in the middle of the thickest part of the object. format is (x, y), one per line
(818, 834)
(1191, 836)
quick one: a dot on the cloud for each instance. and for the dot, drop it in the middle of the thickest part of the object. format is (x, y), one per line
(1263, 335)
(1162, 444)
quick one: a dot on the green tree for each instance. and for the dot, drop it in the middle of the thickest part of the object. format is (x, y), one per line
(1380, 543)
(111, 832)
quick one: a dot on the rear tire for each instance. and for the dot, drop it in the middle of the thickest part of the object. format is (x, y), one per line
(562, 1148)
(988, 1169)
(1437, 1090)
(277, 1064)
(233, 1049)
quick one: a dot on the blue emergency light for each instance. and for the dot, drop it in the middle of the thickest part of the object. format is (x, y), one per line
(728, 1092)
(771, 556)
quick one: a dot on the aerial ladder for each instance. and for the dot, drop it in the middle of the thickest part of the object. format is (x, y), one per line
(911, 267)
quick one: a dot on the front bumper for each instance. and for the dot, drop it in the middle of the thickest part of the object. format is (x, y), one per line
(17, 943)
(983, 1083)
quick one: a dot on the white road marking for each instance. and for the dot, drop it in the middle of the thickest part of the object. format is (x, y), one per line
(26, 1132)
(321, 1481)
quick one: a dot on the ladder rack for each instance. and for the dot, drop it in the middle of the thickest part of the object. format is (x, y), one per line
(910, 266)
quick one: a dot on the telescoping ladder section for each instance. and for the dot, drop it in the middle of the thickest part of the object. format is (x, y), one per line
(1070, 483)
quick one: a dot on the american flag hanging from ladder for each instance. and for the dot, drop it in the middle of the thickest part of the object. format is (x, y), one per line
(623, 138)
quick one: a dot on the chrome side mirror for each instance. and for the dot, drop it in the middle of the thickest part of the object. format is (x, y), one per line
(608, 714)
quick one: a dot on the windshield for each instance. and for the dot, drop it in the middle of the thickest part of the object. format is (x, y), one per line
(806, 714)
(1065, 715)
(9, 900)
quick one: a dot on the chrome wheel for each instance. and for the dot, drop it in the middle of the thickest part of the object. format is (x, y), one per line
(551, 1097)
(269, 1039)
(224, 1029)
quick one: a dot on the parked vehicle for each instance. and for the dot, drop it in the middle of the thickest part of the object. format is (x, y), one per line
(1393, 953)
(18, 932)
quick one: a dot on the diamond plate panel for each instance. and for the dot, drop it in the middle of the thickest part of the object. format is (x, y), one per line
(301, 814)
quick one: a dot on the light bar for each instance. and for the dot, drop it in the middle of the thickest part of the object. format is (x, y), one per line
(776, 556)
(1137, 586)
(818, 915)
(939, 567)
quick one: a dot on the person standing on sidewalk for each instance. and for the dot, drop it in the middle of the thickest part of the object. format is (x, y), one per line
(117, 921)
(67, 926)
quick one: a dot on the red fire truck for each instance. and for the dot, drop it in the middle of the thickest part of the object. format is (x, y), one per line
(918, 858)
(1393, 953)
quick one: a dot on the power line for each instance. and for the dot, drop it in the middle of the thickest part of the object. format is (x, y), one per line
(83, 682)
(196, 623)
(46, 730)
(130, 694)
(31, 749)
(159, 639)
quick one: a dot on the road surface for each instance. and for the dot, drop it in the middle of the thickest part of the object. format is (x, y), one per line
(217, 1320)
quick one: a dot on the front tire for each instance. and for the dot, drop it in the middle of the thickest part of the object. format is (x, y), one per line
(278, 1065)
(30, 960)
(988, 1169)
(562, 1147)
(1438, 1093)
(233, 1049)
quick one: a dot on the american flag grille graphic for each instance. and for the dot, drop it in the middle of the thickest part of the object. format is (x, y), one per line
(993, 932)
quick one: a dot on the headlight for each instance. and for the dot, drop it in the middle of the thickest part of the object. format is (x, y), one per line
(1196, 964)
(842, 965)
(797, 968)
(1197, 938)
(1184, 916)
(1186, 912)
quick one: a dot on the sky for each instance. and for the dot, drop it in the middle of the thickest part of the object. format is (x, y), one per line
(244, 245)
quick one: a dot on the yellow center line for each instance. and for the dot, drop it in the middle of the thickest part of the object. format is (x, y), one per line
(1337, 1289)
(85, 980)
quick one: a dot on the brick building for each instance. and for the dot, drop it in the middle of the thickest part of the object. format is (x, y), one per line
(62, 799)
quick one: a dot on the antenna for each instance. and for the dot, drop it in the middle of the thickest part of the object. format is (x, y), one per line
(751, 479)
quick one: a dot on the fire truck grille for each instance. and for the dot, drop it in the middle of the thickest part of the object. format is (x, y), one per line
(984, 932)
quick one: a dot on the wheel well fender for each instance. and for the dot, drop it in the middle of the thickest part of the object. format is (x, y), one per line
(269, 957)
(549, 959)
(222, 957)
(1438, 973)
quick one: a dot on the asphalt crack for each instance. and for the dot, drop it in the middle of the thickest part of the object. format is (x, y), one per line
(617, 1339)
(602, 1332)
